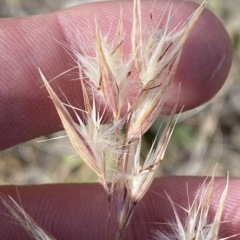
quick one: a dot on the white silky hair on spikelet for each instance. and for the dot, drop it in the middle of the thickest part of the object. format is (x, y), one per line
(197, 225)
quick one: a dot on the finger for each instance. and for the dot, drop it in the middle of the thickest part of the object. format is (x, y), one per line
(28, 43)
(76, 211)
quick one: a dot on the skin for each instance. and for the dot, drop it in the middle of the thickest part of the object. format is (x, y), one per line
(73, 211)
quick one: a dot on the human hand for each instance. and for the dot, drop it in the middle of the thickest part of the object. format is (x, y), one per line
(27, 112)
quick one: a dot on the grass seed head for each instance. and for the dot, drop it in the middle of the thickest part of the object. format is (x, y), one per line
(152, 62)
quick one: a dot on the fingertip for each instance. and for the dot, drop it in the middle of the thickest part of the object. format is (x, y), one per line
(26, 110)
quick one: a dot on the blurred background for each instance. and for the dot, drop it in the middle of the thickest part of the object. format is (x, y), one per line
(201, 139)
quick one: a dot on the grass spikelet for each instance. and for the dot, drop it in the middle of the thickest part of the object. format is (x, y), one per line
(157, 56)
(197, 225)
(31, 227)
(88, 138)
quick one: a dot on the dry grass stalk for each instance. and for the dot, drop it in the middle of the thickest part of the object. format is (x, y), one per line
(106, 78)
(196, 225)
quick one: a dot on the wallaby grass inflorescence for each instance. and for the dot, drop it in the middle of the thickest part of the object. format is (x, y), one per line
(105, 78)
